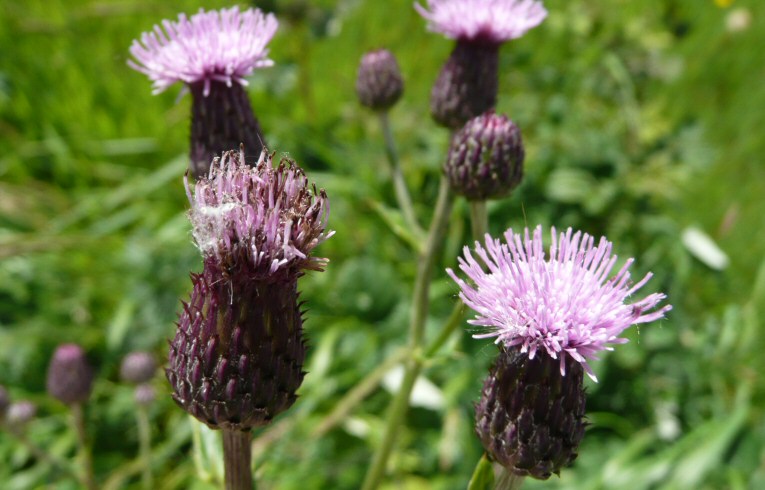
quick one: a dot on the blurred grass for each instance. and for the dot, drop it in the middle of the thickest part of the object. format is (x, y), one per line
(640, 119)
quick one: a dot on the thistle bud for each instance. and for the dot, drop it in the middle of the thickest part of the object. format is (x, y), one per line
(20, 413)
(379, 84)
(138, 367)
(530, 418)
(485, 158)
(144, 394)
(467, 84)
(70, 377)
(237, 356)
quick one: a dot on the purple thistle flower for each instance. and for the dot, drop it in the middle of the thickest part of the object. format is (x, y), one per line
(467, 84)
(565, 305)
(20, 413)
(482, 21)
(212, 52)
(138, 367)
(237, 357)
(223, 46)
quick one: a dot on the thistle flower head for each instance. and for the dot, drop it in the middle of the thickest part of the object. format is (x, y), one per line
(144, 394)
(379, 84)
(485, 158)
(70, 377)
(565, 305)
(223, 46)
(263, 221)
(20, 412)
(138, 367)
(482, 21)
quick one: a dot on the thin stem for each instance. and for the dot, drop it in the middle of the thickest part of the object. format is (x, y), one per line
(506, 480)
(399, 184)
(454, 320)
(42, 454)
(86, 458)
(400, 403)
(144, 440)
(479, 219)
(359, 392)
(237, 460)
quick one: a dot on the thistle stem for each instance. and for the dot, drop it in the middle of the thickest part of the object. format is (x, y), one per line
(144, 441)
(506, 480)
(400, 403)
(42, 454)
(399, 184)
(362, 389)
(237, 460)
(86, 458)
(454, 320)
(479, 219)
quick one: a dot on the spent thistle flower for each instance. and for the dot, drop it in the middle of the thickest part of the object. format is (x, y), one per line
(485, 158)
(237, 356)
(550, 315)
(212, 53)
(379, 84)
(70, 377)
(468, 82)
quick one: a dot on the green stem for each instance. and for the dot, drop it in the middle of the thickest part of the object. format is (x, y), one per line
(359, 392)
(454, 320)
(41, 454)
(399, 184)
(144, 440)
(420, 304)
(237, 460)
(479, 219)
(86, 458)
(506, 480)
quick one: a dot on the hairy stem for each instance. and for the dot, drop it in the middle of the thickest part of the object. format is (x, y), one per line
(479, 219)
(86, 458)
(237, 460)
(399, 184)
(506, 480)
(144, 440)
(420, 305)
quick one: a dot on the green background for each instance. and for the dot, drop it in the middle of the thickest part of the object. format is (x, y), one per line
(641, 119)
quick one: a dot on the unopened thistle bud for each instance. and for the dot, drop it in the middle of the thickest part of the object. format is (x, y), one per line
(467, 84)
(70, 377)
(144, 394)
(20, 413)
(212, 53)
(237, 356)
(138, 367)
(379, 84)
(485, 158)
(550, 316)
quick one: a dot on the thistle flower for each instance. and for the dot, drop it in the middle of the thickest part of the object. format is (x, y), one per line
(379, 84)
(212, 53)
(485, 158)
(550, 315)
(468, 82)
(138, 367)
(70, 377)
(237, 356)
(20, 413)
